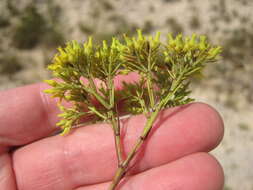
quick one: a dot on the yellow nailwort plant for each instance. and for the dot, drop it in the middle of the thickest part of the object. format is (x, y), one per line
(85, 76)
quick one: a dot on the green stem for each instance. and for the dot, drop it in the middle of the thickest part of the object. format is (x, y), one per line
(91, 81)
(94, 110)
(114, 121)
(94, 92)
(150, 91)
(109, 106)
(174, 87)
(149, 81)
(111, 92)
(139, 143)
(101, 99)
(97, 96)
(123, 167)
(117, 140)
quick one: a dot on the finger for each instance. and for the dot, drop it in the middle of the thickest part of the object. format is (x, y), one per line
(87, 155)
(7, 179)
(27, 114)
(194, 172)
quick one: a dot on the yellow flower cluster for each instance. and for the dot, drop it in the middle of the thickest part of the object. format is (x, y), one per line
(166, 66)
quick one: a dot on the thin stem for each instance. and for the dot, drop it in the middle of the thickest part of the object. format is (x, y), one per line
(117, 140)
(91, 81)
(94, 91)
(94, 110)
(98, 97)
(150, 91)
(108, 106)
(149, 81)
(118, 176)
(111, 92)
(143, 105)
(115, 122)
(174, 87)
(139, 143)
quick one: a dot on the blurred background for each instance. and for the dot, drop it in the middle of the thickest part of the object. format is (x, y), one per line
(31, 30)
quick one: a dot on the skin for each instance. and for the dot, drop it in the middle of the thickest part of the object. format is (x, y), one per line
(175, 156)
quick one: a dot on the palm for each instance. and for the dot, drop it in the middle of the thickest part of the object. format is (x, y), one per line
(174, 158)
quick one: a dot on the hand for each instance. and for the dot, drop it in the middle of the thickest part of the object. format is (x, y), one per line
(175, 156)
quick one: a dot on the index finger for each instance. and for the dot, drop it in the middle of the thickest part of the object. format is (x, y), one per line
(26, 114)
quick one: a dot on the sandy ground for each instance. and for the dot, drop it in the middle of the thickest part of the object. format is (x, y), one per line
(235, 151)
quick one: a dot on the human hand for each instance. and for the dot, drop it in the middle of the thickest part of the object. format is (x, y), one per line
(175, 157)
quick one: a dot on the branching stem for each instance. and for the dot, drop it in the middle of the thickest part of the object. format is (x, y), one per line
(139, 143)
(149, 81)
(115, 122)
(117, 140)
